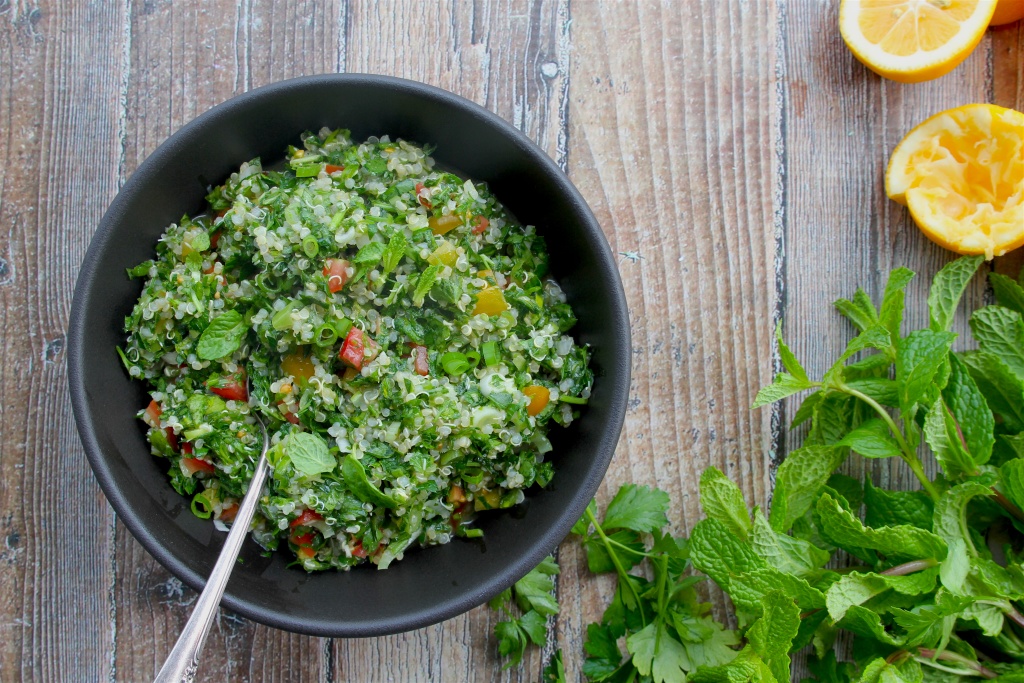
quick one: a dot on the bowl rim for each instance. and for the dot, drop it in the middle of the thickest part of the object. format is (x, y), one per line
(331, 626)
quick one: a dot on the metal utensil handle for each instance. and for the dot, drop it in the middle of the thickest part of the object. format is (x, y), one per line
(182, 662)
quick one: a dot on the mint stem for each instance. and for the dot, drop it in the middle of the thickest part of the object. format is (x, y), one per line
(928, 655)
(908, 455)
(909, 567)
(1007, 505)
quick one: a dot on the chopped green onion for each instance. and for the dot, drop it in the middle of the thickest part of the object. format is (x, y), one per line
(342, 326)
(308, 171)
(202, 507)
(325, 335)
(473, 358)
(455, 363)
(336, 221)
(304, 160)
(473, 477)
(469, 532)
(265, 282)
(573, 399)
(490, 352)
(282, 320)
(310, 246)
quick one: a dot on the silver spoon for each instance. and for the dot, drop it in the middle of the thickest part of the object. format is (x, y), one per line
(183, 661)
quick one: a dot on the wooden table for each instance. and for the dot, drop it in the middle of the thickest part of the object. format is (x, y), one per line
(732, 150)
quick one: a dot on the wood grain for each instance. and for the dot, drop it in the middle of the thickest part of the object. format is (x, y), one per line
(59, 116)
(733, 151)
(671, 141)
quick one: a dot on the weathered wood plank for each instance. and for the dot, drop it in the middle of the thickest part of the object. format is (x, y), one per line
(185, 58)
(59, 117)
(511, 57)
(1007, 59)
(671, 142)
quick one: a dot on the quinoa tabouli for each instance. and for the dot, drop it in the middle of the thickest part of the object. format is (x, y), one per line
(392, 324)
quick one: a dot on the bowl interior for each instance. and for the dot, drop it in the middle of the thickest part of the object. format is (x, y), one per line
(428, 585)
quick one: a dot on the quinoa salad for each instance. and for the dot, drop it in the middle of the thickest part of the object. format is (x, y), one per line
(394, 327)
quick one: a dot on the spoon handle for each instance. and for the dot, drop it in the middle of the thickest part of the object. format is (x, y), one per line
(183, 661)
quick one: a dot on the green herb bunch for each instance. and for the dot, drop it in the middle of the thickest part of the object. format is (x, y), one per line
(929, 583)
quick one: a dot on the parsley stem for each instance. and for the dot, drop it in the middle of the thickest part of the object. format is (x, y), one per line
(623, 576)
(908, 455)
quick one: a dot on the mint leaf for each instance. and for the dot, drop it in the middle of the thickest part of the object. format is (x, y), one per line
(917, 361)
(876, 337)
(798, 482)
(860, 311)
(1000, 332)
(1003, 391)
(657, 654)
(1011, 481)
(950, 518)
(890, 314)
(772, 635)
(865, 622)
(716, 551)
(706, 642)
(831, 420)
(947, 288)
(308, 453)
(1008, 293)
(891, 508)
(931, 625)
(747, 667)
(723, 500)
(222, 336)
(424, 284)
(354, 475)
(638, 508)
(789, 361)
(369, 255)
(872, 440)
(896, 543)
(784, 385)
(954, 569)
(943, 436)
(393, 253)
(884, 391)
(747, 589)
(856, 588)
(806, 410)
(970, 411)
(787, 554)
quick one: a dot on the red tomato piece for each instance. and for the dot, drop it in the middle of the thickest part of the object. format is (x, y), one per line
(480, 223)
(193, 465)
(303, 539)
(230, 388)
(187, 449)
(306, 517)
(305, 553)
(333, 168)
(357, 349)
(358, 550)
(228, 513)
(153, 412)
(336, 272)
(172, 438)
(420, 360)
(215, 238)
(419, 196)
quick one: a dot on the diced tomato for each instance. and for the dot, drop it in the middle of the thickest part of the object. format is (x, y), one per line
(219, 214)
(357, 349)
(305, 518)
(456, 495)
(420, 360)
(230, 388)
(419, 196)
(153, 412)
(358, 550)
(305, 553)
(209, 270)
(289, 415)
(480, 223)
(172, 438)
(215, 238)
(333, 168)
(187, 449)
(336, 272)
(228, 513)
(193, 465)
(302, 539)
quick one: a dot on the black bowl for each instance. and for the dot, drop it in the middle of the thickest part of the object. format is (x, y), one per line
(429, 585)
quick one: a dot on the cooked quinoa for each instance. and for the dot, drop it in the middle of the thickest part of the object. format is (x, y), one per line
(391, 323)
